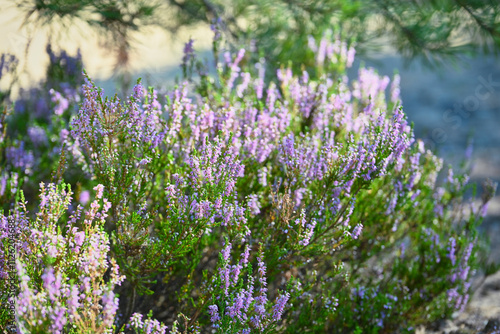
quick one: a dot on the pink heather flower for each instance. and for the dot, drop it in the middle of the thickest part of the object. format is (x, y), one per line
(79, 238)
(239, 57)
(110, 306)
(311, 43)
(321, 54)
(73, 300)
(106, 205)
(350, 57)
(99, 191)
(52, 283)
(240, 89)
(58, 301)
(84, 197)
(135, 321)
(58, 319)
(395, 90)
(259, 82)
(116, 279)
(153, 326)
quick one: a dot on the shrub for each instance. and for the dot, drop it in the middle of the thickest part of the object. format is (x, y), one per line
(318, 183)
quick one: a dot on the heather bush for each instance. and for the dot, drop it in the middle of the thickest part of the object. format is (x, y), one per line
(62, 286)
(234, 204)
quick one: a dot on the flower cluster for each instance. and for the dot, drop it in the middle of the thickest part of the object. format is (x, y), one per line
(96, 126)
(148, 326)
(206, 196)
(336, 51)
(238, 308)
(20, 158)
(61, 274)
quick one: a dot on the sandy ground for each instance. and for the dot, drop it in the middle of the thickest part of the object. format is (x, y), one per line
(154, 55)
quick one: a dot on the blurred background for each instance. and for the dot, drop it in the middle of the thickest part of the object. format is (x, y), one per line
(445, 51)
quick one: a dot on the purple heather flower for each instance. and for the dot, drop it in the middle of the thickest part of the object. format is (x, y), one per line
(469, 150)
(226, 252)
(37, 135)
(240, 302)
(246, 254)
(254, 204)
(357, 231)
(20, 158)
(138, 91)
(62, 104)
(262, 272)
(402, 249)
(463, 273)
(452, 294)
(3, 183)
(484, 209)
(415, 195)
(299, 195)
(188, 52)
(309, 230)
(213, 310)
(279, 307)
(239, 57)
(468, 252)
(452, 250)
(215, 27)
